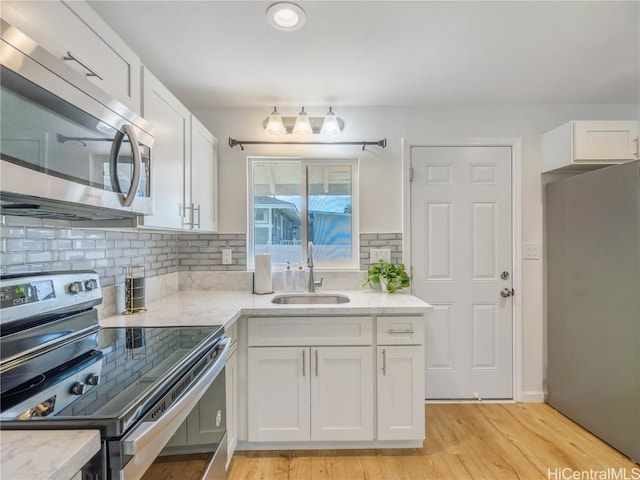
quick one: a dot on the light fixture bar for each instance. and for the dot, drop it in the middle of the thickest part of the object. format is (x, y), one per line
(241, 143)
(316, 123)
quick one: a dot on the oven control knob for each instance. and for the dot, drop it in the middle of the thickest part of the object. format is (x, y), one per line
(75, 287)
(78, 388)
(91, 284)
(93, 379)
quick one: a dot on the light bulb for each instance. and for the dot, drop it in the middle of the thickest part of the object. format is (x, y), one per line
(330, 125)
(302, 125)
(274, 124)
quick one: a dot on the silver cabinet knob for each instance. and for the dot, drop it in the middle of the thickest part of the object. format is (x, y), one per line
(506, 292)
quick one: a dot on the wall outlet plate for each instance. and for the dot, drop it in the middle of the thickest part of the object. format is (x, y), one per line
(227, 256)
(377, 254)
(531, 251)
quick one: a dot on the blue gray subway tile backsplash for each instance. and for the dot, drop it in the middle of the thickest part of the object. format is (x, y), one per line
(33, 245)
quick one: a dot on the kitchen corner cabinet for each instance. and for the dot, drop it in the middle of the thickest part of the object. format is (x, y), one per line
(184, 169)
(232, 398)
(321, 389)
(73, 29)
(586, 145)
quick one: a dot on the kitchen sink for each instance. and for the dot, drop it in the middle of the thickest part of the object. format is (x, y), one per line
(312, 298)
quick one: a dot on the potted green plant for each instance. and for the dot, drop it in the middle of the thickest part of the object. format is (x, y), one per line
(389, 276)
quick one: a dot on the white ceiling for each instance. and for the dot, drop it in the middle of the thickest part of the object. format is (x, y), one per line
(387, 53)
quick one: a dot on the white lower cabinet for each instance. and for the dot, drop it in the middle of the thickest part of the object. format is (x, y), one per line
(400, 377)
(401, 392)
(310, 393)
(330, 379)
(279, 394)
(231, 379)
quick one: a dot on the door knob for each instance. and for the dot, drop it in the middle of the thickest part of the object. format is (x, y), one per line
(506, 292)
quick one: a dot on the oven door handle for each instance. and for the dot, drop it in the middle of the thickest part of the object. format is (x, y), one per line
(149, 434)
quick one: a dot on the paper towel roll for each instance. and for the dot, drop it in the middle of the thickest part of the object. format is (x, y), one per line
(263, 283)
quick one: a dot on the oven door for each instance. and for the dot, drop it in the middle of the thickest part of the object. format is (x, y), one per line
(140, 447)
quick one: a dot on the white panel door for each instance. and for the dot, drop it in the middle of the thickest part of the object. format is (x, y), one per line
(461, 237)
(278, 391)
(342, 393)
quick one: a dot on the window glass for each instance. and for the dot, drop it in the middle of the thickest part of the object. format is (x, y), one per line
(295, 201)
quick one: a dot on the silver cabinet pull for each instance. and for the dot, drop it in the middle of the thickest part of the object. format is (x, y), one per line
(384, 361)
(72, 57)
(304, 362)
(396, 331)
(637, 140)
(316, 362)
(196, 209)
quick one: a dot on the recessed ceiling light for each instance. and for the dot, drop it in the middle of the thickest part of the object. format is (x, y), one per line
(286, 16)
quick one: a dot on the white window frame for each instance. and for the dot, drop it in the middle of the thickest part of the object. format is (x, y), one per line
(351, 264)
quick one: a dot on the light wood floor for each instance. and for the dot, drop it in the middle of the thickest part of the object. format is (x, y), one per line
(481, 441)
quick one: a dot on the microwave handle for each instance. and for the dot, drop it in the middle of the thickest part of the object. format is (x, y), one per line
(137, 163)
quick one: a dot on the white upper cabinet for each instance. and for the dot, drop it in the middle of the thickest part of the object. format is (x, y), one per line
(185, 166)
(171, 152)
(75, 33)
(586, 145)
(201, 197)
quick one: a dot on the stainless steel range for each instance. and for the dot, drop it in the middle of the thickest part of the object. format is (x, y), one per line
(60, 370)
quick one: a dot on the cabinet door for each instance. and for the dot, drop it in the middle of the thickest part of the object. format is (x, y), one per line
(203, 177)
(401, 393)
(63, 27)
(231, 372)
(278, 391)
(342, 393)
(605, 140)
(208, 418)
(172, 123)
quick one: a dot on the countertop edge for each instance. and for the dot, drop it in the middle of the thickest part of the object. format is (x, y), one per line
(61, 454)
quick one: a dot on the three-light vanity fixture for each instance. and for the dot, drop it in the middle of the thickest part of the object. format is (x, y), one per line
(329, 125)
(303, 124)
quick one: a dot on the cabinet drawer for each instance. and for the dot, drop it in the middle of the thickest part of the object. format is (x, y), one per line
(291, 331)
(401, 330)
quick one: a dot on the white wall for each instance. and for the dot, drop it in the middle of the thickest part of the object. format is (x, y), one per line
(381, 175)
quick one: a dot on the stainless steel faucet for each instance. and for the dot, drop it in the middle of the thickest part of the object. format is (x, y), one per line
(311, 287)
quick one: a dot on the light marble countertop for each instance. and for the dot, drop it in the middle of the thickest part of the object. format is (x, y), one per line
(46, 454)
(60, 454)
(197, 308)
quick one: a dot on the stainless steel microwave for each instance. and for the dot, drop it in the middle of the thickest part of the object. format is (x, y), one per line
(67, 149)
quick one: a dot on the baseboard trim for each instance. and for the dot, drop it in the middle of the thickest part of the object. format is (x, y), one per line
(533, 396)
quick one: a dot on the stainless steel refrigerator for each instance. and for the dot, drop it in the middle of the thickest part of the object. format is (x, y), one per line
(593, 302)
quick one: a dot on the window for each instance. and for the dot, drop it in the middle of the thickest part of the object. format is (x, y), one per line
(294, 201)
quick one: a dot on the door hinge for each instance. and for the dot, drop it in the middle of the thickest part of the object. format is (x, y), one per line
(411, 174)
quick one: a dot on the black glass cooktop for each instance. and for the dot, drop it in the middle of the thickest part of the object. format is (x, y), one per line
(107, 377)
